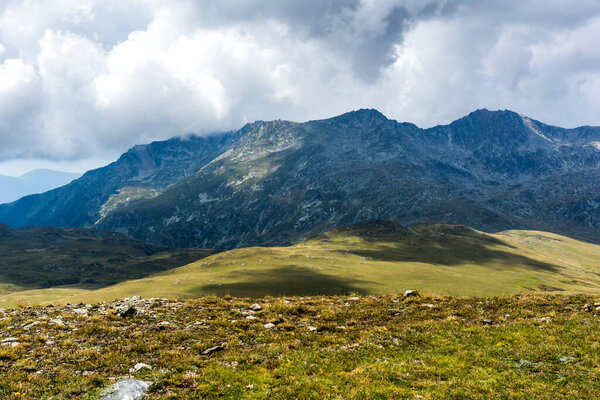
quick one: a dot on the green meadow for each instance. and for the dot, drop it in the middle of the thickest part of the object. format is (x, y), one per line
(376, 258)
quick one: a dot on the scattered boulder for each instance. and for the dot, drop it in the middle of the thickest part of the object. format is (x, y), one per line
(256, 307)
(354, 298)
(312, 328)
(251, 317)
(127, 389)
(488, 322)
(138, 367)
(57, 321)
(133, 298)
(566, 359)
(586, 307)
(213, 350)
(411, 293)
(127, 311)
(163, 325)
(269, 325)
(31, 324)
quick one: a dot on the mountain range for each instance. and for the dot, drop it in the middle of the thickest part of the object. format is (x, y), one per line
(278, 182)
(36, 181)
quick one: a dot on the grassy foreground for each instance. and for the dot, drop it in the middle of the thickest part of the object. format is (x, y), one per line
(518, 347)
(375, 258)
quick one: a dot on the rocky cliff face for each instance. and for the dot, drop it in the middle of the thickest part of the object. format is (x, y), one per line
(283, 181)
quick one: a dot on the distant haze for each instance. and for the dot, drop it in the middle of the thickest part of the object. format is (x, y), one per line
(36, 181)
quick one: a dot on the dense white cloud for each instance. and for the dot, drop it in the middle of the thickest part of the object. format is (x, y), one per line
(86, 79)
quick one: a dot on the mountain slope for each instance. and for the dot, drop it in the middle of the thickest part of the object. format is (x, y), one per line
(142, 172)
(278, 182)
(283, 181)
(41, 257)
(381, 258)
(36, 181)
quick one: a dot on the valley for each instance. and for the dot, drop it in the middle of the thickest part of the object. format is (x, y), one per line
(63, 260)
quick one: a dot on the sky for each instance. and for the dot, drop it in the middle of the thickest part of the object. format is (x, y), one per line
(81, 81)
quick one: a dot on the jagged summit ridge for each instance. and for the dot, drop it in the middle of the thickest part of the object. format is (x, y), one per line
(277, 182)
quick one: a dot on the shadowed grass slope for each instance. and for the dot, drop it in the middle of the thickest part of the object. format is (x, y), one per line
(378, 258)
(33, 258)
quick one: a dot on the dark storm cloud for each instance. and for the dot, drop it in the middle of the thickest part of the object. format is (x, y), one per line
(87, 78)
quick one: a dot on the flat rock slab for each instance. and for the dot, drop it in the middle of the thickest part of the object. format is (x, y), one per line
(127, 389)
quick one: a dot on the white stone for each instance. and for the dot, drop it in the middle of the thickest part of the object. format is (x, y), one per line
(128, 389)
(138, 367)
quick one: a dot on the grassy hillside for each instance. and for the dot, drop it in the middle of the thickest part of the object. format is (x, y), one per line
(39, 257)
(517, 347)
(375, 258)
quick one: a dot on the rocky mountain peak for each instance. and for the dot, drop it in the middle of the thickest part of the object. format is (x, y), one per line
(360, 117)
(277, 182)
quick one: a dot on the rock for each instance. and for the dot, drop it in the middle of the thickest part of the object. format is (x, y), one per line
(487, 322)
(213, 350)
(57, 321)
(546, 319)
(566, 360)
(31, 324)
(353, 298)
(127, 389)
(138, 367)
(133, 298)
(586, 307)
(251, 317)
(312, 328)
(411, 293)
(81, 311)
(256, 307)
(163, 325)
(9, 340)
(429, 305)
(269, 325)
(127, 311)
